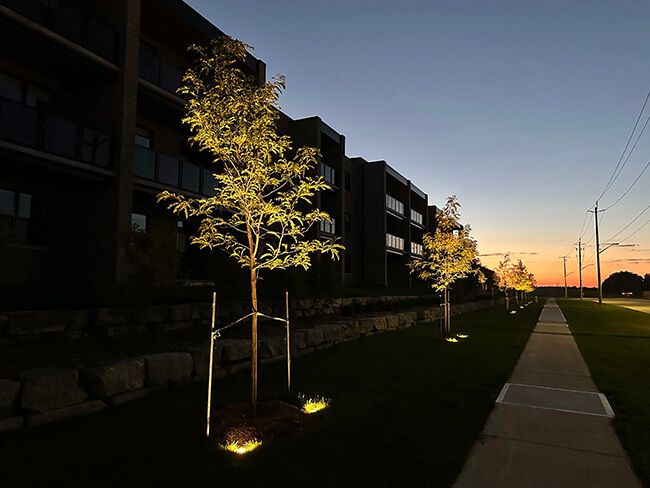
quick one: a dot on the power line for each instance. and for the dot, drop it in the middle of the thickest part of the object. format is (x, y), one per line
(612, 178)
(630, 187)
(630, 223)
(646, 223)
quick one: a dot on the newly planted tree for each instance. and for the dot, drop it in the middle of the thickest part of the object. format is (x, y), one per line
(261, 209)
(449, 255)
(504, 276)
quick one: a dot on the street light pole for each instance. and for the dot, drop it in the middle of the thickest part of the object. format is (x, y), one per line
(580, 264)
(566, 293)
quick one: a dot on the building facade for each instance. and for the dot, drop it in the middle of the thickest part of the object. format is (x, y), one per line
(90, 133)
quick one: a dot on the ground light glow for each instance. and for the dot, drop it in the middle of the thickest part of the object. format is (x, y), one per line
(451, 339)
(513, 312)
(315, 404)
(462, 336)
(241, 447)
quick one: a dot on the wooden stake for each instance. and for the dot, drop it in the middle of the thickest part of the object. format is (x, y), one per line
(288, 345)
(214, 306)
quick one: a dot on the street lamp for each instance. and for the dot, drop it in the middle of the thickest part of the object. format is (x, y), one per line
(598, 253)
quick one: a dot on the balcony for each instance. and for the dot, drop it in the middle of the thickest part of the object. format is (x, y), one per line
(416, 249)
(328, 227)
(394, 242)
(159, 72)
(328, 173)
(70, 23)
(173, 172)
(395, 205)
(417, 217)
(27, 126)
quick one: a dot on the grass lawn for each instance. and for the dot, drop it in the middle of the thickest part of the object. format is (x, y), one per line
(615, 342)
(406, 408)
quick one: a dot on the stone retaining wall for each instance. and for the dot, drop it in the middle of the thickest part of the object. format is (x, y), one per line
(26, 326)
(49, 394)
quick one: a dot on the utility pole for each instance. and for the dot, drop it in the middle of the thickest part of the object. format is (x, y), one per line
(600, 284)
(566, 293)
(580, 264)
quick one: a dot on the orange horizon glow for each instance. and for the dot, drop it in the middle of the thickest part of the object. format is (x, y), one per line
(550, 272)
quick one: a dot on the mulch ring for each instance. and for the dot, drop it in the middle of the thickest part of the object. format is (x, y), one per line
(233, 424)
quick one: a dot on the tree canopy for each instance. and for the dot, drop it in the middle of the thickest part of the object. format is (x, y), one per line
(449, 254)
(623, 282)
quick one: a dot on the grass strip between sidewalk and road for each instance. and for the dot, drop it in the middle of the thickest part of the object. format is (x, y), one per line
(406, 408)
(615, 343)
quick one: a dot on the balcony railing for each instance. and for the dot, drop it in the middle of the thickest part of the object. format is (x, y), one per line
(417, 217)
(69, 22)
(171, 171)
(395, 205)
(328, 173)
(416, 248)
(394, 242)
(328, 227)
(27, 126)
(159, 72)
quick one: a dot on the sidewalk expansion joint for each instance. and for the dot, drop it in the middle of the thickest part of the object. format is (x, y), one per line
(524, 441)
(558, 399)
(547, 372)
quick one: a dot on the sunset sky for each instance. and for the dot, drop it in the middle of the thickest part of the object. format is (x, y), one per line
(521, 108)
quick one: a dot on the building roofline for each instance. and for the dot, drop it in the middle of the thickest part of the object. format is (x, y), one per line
(191, 16)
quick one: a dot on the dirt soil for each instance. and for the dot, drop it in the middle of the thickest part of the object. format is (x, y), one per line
(274, 418)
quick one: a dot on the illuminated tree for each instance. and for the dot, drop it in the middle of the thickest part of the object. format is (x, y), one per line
(449, 255)
(256, 213)
(504, 276)
(523, 281)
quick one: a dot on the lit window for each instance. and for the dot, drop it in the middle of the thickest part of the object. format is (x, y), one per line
(417, 217)
(395, 205)
(328, 227)
(394, 242)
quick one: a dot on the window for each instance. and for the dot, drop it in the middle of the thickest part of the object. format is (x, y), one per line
(347, 223)
(144, 158)
(190, 177)
(416, 248)
(139, 222)
(348, 263)
(328, 227)
(348, 182)
(95, 148)
(417, 217)
(394, 242)
(181, 237)
(328, 173)
(395, 205)
(23, 216)
(168, 170)
(24, 92)
(143, 137)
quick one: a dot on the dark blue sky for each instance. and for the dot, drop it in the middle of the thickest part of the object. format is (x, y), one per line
(520, 108)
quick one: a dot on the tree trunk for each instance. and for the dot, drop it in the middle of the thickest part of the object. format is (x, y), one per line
(446, 312)
(254, 342)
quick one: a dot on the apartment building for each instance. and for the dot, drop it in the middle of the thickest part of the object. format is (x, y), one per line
(90, 133)
(395, 220)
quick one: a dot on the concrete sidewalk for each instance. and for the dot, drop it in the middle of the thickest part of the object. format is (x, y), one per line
(550, 426)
